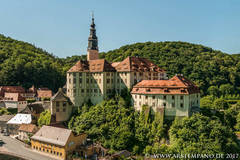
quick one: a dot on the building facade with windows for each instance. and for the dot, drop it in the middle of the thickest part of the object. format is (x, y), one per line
(177, 96)
(95, 79)
(61, 106)
(57, 142)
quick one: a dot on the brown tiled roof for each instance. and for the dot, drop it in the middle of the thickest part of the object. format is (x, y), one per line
(137, 64)
(98, 65)
(30, 128)
(12, 89)
(114, 64)
(13, 97)
(176, 85)
(46, 93)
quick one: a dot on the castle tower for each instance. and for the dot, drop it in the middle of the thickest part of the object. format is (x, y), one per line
(92, 50)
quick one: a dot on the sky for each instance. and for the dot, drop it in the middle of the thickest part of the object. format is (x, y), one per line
(61, 27)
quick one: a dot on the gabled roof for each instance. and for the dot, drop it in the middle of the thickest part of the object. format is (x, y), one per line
(30, 128)
(98, 65)
(5, 118)
(176, 85)
(53, 135)
(138, 65)
(60, 96)
(35, 108)
(12, 89)
(21, 119)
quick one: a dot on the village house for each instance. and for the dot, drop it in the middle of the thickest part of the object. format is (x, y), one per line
(44, 93)
(61, 106)
(35, 109)
(14, 100)
(30, 93)
(11, 89)
(3, 121)
(57, 142)
(25, 131)
(14, 123)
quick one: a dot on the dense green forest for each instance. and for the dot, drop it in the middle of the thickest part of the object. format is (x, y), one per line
(203, 65)
(24, 64)
(115, 125)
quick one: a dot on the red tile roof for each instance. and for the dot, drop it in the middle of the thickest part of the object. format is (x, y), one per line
(176, 85)
(30, 128)
(12, 89)
(98, 65)
(137, 64)
(44, 93)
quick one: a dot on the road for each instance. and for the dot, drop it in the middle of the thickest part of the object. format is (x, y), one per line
(16, 147)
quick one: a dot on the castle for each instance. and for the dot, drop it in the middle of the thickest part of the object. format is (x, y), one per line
(95, 79)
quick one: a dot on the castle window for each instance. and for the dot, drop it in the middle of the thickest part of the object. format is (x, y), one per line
(140, 96)
(108, 74)
(91, 80)
(146, 97)
(153, 97)
(135, 73)
(80, 74)
(64, 104)
(108, 81)
(80, 80)
(181, 97)
(74, 80)
(164, 104)
(87, 80)
(125, 73)
(181, 105)
(57, 104)
(135, 81)
(95, 90)
(173, 97)
(82, 90)
(164, 97)
(141, 74)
